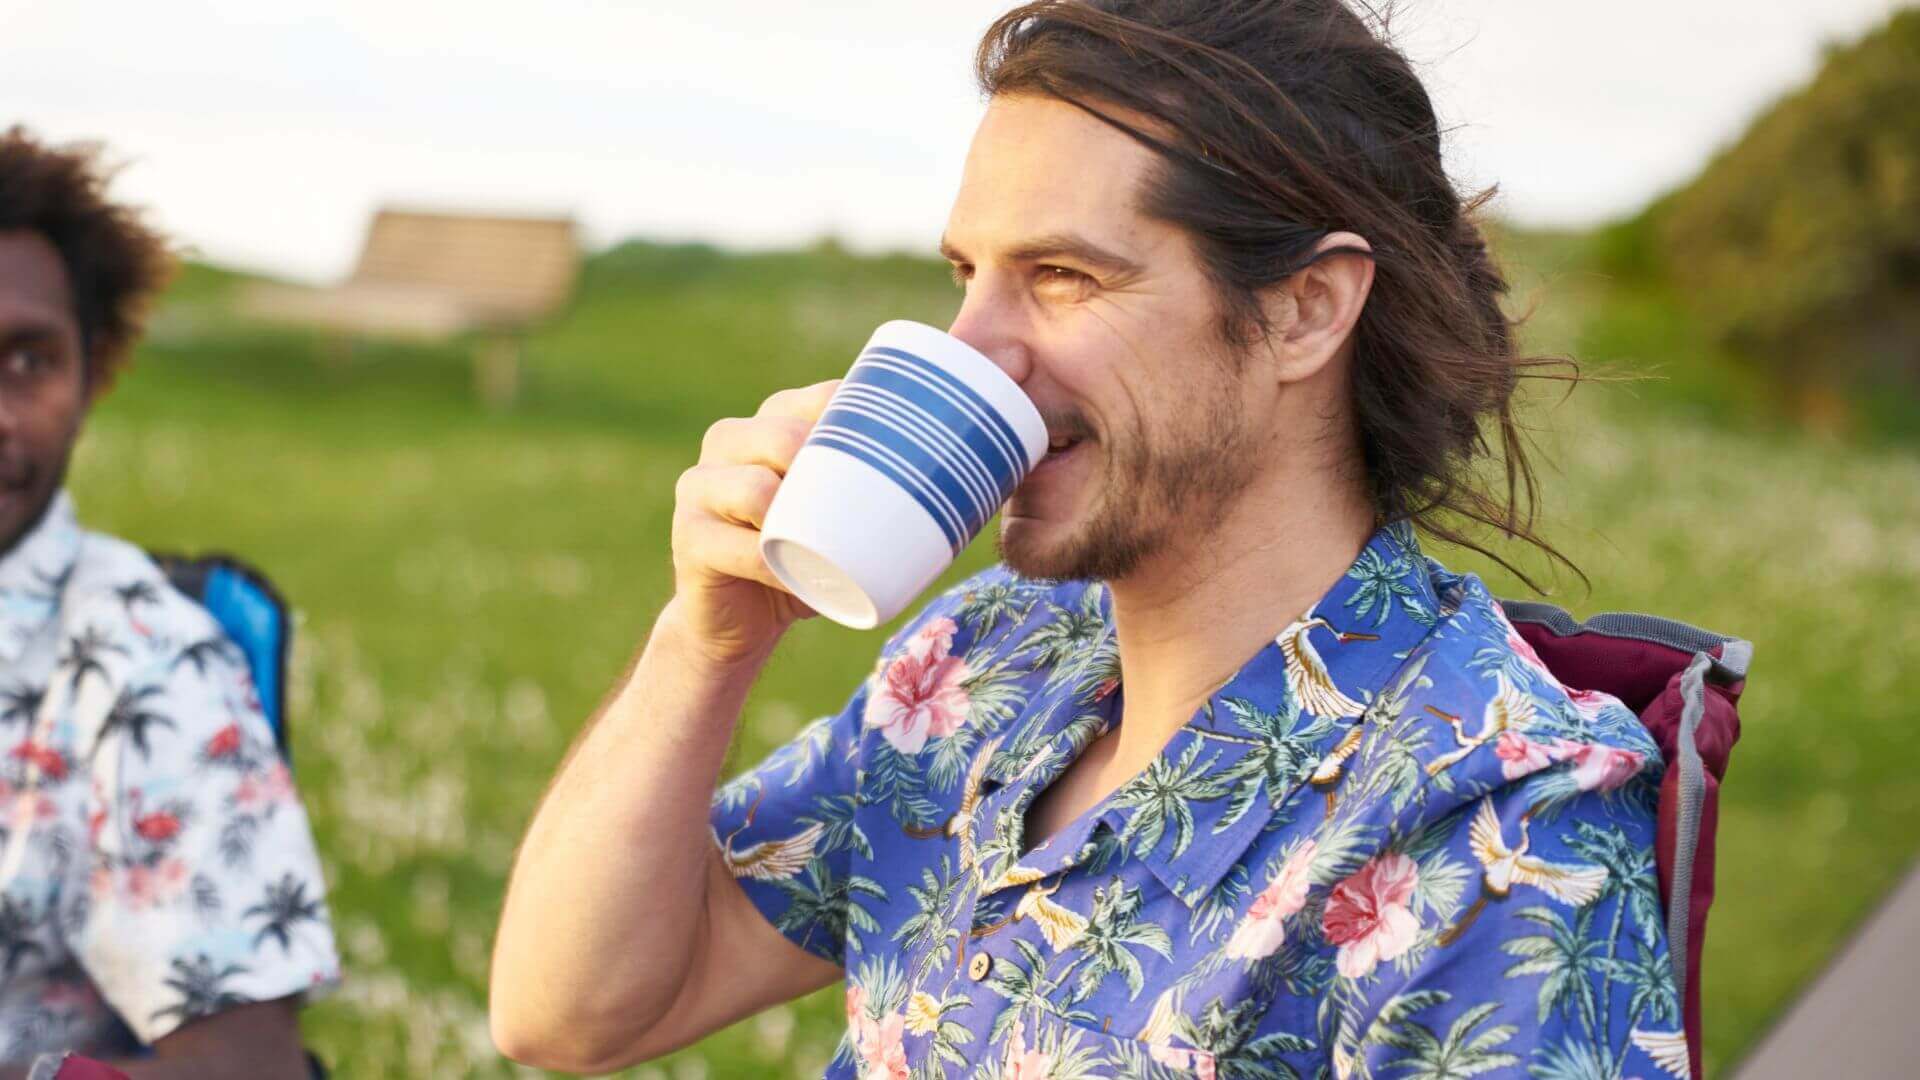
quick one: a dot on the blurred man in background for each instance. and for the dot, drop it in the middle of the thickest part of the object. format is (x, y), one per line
(1218, 774)
(161, 902)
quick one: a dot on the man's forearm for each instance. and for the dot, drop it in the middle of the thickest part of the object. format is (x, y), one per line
(603, 908)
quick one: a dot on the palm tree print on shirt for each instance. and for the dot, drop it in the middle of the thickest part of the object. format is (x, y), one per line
(205, 650)
(201, 984)
(85, 655)
(134, 595)
(131, 715)
(19, 703)
(174, 874)
(282, 910)
(18, 924)
(1303, 882)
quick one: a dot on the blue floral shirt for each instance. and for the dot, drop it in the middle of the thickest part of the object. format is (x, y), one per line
(1392, 845)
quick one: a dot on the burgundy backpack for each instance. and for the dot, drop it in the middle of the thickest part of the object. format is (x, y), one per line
(1685, 684)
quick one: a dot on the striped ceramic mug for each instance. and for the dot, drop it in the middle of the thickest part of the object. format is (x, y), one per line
(918, 448)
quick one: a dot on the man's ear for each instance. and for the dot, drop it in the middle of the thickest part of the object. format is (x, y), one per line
(1313, 312)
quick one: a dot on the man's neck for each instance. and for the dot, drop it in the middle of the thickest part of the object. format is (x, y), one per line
(1191, 617)
(9, 546)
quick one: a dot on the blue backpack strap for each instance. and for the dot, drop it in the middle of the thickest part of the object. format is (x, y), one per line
(254, 615)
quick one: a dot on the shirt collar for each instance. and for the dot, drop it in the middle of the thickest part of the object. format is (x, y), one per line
(1190, 816)
(34, 573)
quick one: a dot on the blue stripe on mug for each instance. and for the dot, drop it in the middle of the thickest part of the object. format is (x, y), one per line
(966, 515)
(862, 449)
(915, 383)
(902, 390)
(983, 429)
(929, 433)
(982, 486)
(978, 407)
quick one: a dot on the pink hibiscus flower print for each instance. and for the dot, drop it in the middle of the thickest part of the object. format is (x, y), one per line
(30, 807)
(269, 787)
(1532, 659)
(883, 1049)
(919, 696)
(225, 743)
(1600, 768)
(1523, 649)
(147, 887)
(1520, 756)
(51, 763)
(1025, 1064)
(1589, 702)
(1367, 914)
(1263, 930)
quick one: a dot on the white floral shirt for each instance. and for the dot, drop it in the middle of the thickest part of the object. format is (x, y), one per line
(156, 865)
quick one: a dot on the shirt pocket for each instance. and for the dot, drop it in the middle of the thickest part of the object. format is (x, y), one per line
(1043, 1045)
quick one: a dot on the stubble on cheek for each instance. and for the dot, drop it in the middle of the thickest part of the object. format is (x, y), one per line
(49, 454)
(1141, 504)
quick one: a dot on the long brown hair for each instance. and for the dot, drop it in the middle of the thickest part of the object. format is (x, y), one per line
(1293, 119)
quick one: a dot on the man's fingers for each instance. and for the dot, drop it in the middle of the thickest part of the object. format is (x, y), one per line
(722, 502)
(735, 493)
(722, 547)
(801, 402)
(770, 441)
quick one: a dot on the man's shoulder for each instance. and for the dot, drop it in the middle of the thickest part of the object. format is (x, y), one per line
(121, 598)
(1474, 711)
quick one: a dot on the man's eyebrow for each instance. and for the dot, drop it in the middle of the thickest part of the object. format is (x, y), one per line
(1057, 246)
(28, 332)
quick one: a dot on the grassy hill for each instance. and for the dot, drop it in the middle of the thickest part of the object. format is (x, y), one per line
(1797, 247)
(470, 583)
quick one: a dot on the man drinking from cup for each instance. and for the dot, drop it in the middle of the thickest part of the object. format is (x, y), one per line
(1217, 774)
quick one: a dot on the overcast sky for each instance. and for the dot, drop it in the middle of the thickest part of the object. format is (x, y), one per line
(263, 132)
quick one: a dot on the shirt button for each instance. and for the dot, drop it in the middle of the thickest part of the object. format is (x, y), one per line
(978, 967)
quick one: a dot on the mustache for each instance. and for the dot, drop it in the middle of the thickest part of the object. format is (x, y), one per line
(17, 475)
(1071, 423)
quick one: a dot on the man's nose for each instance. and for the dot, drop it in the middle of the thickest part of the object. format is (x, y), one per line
(998, 332)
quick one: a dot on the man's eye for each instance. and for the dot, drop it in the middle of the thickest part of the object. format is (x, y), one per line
(961, 273)
(1061, 277)
(23, 361)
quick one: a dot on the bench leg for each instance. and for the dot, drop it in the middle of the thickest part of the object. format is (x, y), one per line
(496, 370)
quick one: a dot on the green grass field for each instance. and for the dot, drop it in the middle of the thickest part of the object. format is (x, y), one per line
(470, 583)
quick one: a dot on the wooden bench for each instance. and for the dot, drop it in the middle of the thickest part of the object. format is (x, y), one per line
(431, 276)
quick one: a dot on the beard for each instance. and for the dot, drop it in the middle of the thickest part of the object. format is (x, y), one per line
(1155, 490)
(28, 496)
